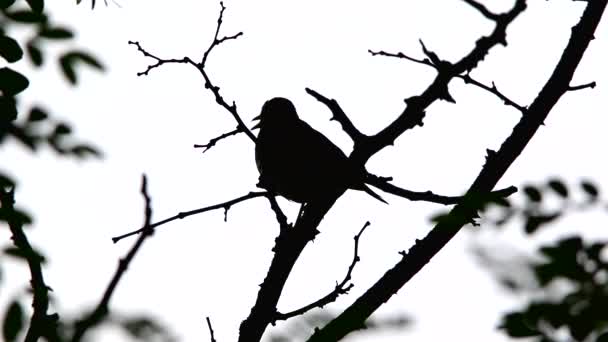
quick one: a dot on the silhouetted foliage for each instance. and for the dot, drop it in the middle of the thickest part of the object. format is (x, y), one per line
(568, 292)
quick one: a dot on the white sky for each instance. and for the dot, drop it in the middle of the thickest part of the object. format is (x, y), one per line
(149, 124)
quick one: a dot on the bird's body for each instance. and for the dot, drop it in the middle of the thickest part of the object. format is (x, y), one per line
(296, 161)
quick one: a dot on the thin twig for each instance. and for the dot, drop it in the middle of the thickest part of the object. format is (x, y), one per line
(211, 335)
(225, 205)
(215, 140)
(483, 10)
(342, 288)
(159, 61)
(582, 86)
(102, 308)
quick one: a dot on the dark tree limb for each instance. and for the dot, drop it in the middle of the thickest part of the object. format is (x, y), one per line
(496, 165)
(414, 113)
(342, 288)
(102, 309)
(42, 324)
(428, 196)
(483, 10)
(224, 205)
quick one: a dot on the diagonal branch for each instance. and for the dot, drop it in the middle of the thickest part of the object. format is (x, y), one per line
(342, 288)
(483, 10)
(225, 205)
(496, 165)
(339, 115)
(42, 324)
(414, 113)
(102, 308)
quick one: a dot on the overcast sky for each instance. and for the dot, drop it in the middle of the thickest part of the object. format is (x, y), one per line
(149, 124)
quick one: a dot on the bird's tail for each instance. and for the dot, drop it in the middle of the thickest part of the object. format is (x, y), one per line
(373, 194)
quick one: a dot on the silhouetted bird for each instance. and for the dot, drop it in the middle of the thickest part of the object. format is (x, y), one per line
(296, 161)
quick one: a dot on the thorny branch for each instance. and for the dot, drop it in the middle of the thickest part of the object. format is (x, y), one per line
(224, 205)
(496, 165)
(102, 308)
(465, 77)
(342, 288)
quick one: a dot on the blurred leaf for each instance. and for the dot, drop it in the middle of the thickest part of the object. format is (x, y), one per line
(36, 5)
(27, 17)
(6, 181)
(590, 189)
(37, 114)
(61, 129)
(34, 53)
(516, 325)
(10, 49)
(4, 4)
(534, 222)
(56, 33)
(559, 187)
(144, 328)
(68, 60)
(8, 108)
(84, 151)
(13, 322)
(602, 337)
(15, 216)
(12, 82)
(532, 193)
(24, 255)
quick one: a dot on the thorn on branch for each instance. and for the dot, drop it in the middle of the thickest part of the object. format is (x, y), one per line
(582, 86)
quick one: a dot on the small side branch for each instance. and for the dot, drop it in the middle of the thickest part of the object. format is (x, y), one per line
(339, 115)
(102, 309)
(342, 288)
(216, 40)
(483, 10)
(159, 61)
(225, 205)
(428, 196)
(582, 86)
(215, 140)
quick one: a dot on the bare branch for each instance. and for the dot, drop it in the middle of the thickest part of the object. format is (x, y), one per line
(507, 101)
(496, 166)
(102, 308)
(42, 324)
(159, 61)
(215, 140)
(210, 330)
(339, 115)
(425, 61)
(217, 41)
(225, 205)
(342, 288)
(483, 10)
(428, 196)
(582, 86)
(281, 218)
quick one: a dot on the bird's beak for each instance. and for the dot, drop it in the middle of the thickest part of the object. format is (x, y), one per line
(257, 125)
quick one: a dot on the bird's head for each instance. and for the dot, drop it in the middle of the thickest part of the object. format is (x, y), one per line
(276, 111)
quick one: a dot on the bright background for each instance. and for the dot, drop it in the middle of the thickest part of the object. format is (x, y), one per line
(149, 124)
